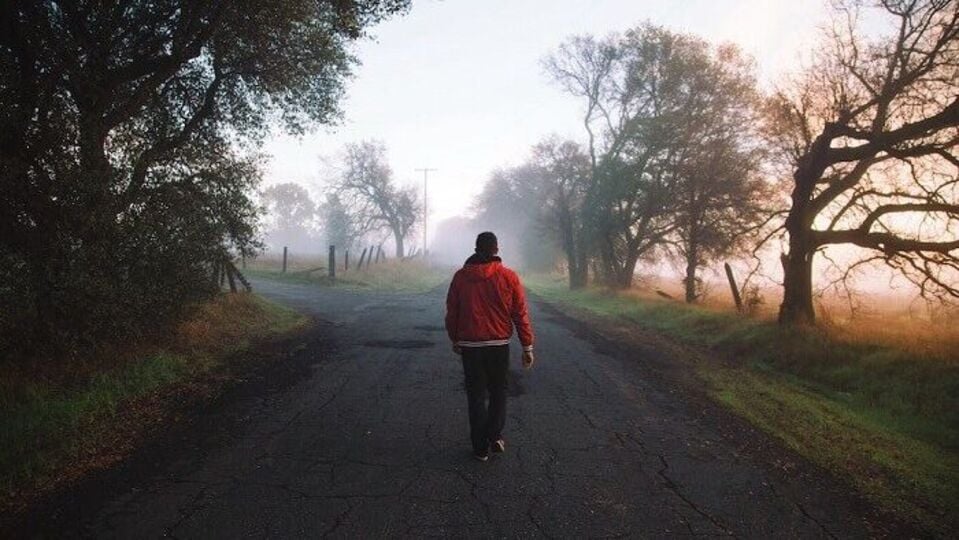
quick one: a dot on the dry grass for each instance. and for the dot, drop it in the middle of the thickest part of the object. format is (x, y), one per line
(232, 320)
(892, 320)
(917, 337)
(392, 275)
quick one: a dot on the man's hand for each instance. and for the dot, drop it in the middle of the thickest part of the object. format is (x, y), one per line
(457, 349)
(528, 359)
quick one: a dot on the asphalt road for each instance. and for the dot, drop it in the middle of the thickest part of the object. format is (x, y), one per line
(370, 439)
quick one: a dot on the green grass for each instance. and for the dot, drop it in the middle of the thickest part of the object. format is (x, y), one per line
(50, 429)
(883, 417)
(411, 276)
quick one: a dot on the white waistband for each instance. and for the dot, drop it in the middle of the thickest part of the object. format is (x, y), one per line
(487, 343)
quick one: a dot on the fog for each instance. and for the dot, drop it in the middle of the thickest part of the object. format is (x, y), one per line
(458, 85)
(462, 89)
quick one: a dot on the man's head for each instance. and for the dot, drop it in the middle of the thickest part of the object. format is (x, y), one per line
(486, 244)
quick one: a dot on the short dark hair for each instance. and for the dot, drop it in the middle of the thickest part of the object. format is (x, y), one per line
(486, 243)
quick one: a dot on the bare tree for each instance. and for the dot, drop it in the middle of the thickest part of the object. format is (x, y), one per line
(367, 188)
(871, 132)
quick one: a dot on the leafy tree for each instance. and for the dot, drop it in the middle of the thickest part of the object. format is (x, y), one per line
(642, 92)
(367, 188)
(720, 195)
(563, 172)
(586, 67)
(870, 132)
(722, 200)
(290, 212)
(119, 124)
(339, 225)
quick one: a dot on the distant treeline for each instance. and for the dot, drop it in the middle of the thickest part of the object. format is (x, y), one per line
(362, 205)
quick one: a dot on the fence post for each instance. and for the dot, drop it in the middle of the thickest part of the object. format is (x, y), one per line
(239, 276)
(732, 286)
(346, 260)
(284, 259)
(332, 264)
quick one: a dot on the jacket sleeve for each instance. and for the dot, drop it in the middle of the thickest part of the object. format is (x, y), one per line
(520, 314)
(452, 310)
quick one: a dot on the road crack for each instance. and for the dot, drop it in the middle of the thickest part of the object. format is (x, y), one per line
(671, 486)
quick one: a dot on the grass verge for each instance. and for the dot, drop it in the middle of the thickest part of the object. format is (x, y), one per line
(409, 276)
(57, 426)
(884, 418)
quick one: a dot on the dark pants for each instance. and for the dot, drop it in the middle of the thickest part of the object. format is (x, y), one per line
(485, 369)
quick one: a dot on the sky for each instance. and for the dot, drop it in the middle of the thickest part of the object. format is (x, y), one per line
(457, 85)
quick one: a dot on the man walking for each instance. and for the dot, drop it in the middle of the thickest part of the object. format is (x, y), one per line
(484, 302)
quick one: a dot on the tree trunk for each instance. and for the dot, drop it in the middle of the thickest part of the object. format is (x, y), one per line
(797, 308)
(596, 267)
(609, 273)
(400, 250)
(579, 278)
(691, 265)
(575, 255)
(693, 219)
(624, 279)
(625, 273)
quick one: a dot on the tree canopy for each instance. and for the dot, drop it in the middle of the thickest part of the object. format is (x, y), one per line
(668, 143)
(123, 129)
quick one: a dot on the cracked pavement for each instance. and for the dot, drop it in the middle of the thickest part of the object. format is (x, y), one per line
(371, 440)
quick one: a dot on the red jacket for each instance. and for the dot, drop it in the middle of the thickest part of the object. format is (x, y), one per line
(484, 302)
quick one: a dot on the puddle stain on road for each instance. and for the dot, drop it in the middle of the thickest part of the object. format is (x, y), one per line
(399, 343)
(429, 328)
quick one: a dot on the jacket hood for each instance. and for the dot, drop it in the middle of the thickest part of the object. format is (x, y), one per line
(481, 267)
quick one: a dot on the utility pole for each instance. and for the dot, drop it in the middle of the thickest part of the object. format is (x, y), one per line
(426, 172)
